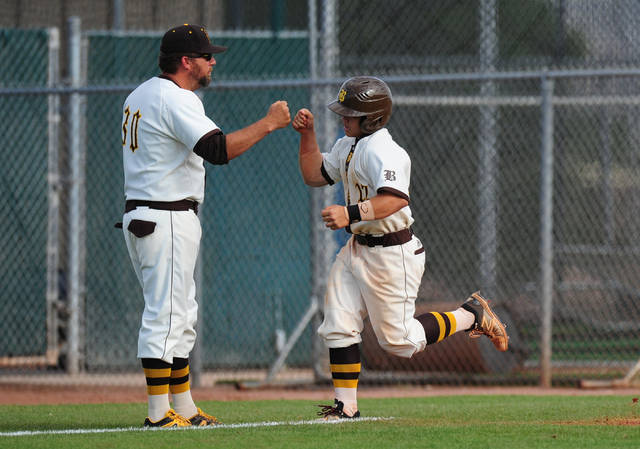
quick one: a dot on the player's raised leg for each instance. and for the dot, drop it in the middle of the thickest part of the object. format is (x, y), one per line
(474, 316)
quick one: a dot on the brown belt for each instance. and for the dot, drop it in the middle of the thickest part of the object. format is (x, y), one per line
(391, 239)
(162, 205)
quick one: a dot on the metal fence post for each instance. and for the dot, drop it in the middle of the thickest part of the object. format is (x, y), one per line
(487, 170)
(76, 199)
(53, 218)
(118, 15)
(546, 230)
(324, 243)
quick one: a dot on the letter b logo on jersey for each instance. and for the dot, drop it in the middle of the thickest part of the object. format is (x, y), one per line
(389, 175)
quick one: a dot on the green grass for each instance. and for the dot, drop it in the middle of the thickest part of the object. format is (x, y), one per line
(571, 422)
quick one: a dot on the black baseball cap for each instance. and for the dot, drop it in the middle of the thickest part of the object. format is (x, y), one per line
(186, 39)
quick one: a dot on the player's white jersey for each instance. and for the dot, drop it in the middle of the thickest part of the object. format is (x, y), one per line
(161, 124)
(377, 164)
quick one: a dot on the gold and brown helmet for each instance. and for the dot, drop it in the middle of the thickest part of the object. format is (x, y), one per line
(364, 96)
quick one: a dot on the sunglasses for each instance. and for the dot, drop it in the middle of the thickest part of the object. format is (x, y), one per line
(205, 56)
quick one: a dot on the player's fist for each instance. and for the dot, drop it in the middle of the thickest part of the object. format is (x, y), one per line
(335, 216)
(303, 121)
(278, 114)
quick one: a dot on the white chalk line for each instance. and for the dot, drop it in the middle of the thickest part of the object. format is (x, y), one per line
(28, 433)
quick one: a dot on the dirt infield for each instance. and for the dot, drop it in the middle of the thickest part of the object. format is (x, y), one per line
(21, 394)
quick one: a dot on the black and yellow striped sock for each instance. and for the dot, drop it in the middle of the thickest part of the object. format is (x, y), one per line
(180, 388)
(345, 366)
(157, 373)
(179, 382)
(437, 325)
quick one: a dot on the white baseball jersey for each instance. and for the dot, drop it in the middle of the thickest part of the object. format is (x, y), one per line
(381, 282)
(161, 124)
(376, 164)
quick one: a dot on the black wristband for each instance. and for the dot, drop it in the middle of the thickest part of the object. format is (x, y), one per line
(354, 213)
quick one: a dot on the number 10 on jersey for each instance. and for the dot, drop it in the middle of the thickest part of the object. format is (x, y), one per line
(132, 131)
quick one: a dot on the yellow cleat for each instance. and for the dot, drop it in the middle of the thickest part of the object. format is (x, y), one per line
(487, 322)
(203, 419)
(171, 419)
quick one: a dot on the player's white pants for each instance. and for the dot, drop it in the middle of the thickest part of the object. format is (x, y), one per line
(382, 282)
(164, 262)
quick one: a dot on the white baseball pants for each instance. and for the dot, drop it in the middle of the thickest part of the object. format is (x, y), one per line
(381, 282)
(164, 262)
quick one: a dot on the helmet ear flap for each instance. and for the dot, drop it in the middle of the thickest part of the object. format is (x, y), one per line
(364, 124)
(375, 121)
(371, 124)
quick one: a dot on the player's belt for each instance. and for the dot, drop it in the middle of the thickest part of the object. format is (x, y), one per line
(391, 239)
(162, 205)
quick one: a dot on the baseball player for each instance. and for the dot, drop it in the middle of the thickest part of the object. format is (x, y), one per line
(379, 270)
(166, 137)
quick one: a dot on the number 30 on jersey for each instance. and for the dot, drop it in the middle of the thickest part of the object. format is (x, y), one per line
(133, 129)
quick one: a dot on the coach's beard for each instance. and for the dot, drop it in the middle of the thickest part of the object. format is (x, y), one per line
(204, 81)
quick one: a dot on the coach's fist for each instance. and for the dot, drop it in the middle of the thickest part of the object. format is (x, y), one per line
(303, 121)
(278, 115)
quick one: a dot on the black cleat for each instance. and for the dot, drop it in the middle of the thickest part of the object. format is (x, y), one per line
(336, 411)
(171, 419)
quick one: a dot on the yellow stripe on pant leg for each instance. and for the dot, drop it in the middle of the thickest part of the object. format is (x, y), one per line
(441, 326)
(179, 388)
(180, 372)
(154, 390)
(154, 373)
(452, 322)
(345, 383)
(345, 368)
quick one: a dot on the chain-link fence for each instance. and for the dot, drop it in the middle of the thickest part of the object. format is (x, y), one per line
(521, 122)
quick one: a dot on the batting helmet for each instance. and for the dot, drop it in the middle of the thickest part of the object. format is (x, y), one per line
(364, 96)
